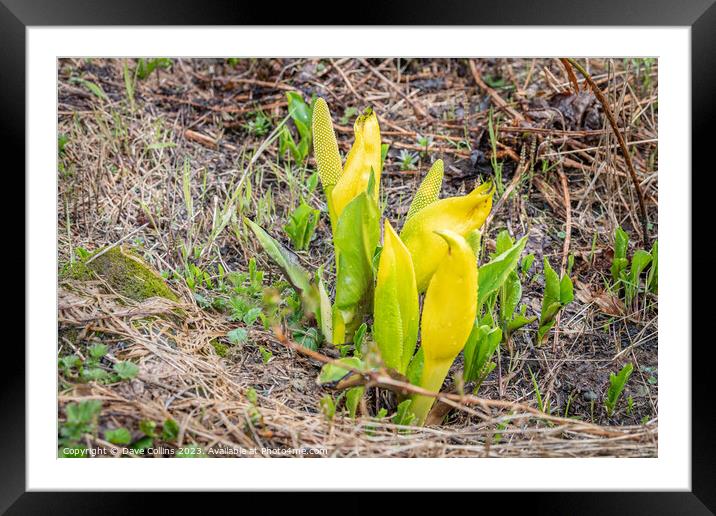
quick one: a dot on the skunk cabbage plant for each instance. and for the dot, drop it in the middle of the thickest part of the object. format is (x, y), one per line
(435, 253)
(427, 216)
(449, 311)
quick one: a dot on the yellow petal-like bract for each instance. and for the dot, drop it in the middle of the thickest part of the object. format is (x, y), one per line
(448, 315)
(395, 326)
(363, 158)
(459, 214)
(325, 146)
(429, 189)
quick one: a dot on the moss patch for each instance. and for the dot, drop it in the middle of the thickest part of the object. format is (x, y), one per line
(221, 349)
(125, 273)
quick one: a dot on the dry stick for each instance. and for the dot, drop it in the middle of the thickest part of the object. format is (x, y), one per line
(416, 107)
(625, 151)
(493, 94)
(112, 246)
(515, 181)
(379, 379)
(346, 80)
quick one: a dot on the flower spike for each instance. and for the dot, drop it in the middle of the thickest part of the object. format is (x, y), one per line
(325, 146)
(429, 189)
(460, 214)
(396, 310)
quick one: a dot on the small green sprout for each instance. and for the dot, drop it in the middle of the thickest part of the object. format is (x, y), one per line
(259, 125)
(302, 225)
(616, 386)
(408, 159)
(558, 293)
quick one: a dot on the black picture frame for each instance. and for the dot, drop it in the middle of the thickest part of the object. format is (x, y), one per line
(700, 15)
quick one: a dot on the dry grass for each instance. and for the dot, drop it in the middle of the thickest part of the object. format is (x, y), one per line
(127, 168)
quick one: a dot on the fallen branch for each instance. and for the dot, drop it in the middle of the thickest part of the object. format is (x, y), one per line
(625, 151)
(499, 101)
(419, 111)
(378, 378)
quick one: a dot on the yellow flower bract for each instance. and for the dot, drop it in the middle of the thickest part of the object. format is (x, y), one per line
(458, 214)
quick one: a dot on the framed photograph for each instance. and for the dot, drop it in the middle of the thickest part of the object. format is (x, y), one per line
(382, 257)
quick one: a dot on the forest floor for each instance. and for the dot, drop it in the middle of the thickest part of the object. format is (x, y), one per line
(164, 164)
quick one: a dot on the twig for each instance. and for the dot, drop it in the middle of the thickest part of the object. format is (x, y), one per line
(625, 151)
(501, 103)
(513, 184)
(377, 378)
(200, 138)
(416, 107)
(111, 246)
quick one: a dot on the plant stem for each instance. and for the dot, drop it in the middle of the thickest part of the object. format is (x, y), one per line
(434, 374)
(627, 157)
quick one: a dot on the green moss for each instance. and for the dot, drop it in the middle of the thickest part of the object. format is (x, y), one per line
(221, 349)
(124, 272)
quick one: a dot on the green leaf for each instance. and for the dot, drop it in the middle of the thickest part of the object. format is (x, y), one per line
(619, 262)
(384, 151)
(474, 239)
(95, 89)
(552, 287)
(518, 321)
(126, 370)
(118, 436)
(328, 407)
(356, 237)
(94, 374)
(237, 336)
(299, 278)
(302, 225)
(616, 386)
(148, 427)
(83, 412)
(493, 274)
(266, 354)
(333, 373)
(511, 297)
(67, 363)
(557, 293)
(503, 242)
(480, 347)
(353, 397)
(300, 113)
(307, 338)
(527, 262)
(143, 443)
(250, 317)
(404, 416)
(358, 339)
(415, 369)
(639, 262)
(170, 430)
(98, 351)
(566, 290)
(544, 329)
